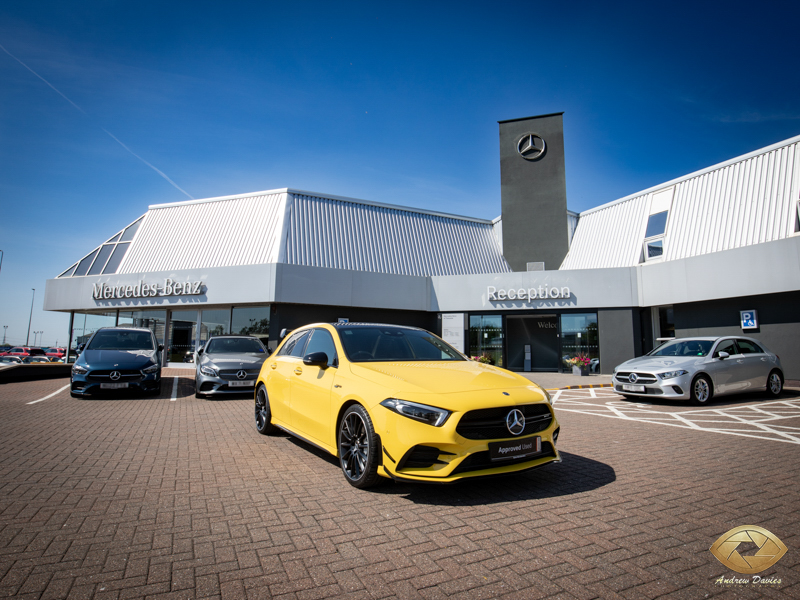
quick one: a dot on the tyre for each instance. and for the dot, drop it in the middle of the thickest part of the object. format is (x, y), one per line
(359, 448)
(629, 398)
(775, 384)
(701, 391)
(264, 424)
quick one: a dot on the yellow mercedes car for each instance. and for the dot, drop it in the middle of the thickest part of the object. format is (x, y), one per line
(398, 402)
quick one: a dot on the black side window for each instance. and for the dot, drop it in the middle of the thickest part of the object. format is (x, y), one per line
(321, 341)
(289, 346)
(728, 346)
(299, 347)
(748, 347)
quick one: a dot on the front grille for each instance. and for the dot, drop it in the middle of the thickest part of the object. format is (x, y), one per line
(490, 423)
(483, 460)
(125, 375)
(640, 377)
(230, 374)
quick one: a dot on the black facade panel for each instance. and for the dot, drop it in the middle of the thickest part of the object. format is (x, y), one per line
(618, 332)
(292, 316)
(534, 194)
(778, 315)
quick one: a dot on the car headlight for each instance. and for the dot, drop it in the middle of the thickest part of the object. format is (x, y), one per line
(419, 412)
(79, 370)
(209, 370)
(151, 369)
(672, 374)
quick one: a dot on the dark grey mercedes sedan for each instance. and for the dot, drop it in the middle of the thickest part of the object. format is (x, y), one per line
(228, 364)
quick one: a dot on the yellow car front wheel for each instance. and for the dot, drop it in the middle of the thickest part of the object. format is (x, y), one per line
(359, 448)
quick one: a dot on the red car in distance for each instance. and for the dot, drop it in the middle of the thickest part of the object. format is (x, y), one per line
(19, 351)
(55, 352)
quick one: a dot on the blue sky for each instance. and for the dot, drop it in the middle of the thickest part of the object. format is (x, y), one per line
(390, 102)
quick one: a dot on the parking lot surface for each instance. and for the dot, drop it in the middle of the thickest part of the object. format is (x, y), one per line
(175, 497)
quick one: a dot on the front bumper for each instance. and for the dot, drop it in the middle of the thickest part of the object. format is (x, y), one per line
(414, 451)
(88, 384)
(224, 385)
(677, 388)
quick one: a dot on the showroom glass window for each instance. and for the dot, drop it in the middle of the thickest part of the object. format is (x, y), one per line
(85, 324)
(579, 338)
(486, 337)
(154, 320)
(214, 322)
(250, 320)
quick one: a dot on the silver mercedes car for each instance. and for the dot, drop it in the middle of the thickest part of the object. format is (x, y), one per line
(228, 364)
(701, 368)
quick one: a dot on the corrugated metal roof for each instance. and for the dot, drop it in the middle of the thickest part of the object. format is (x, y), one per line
(224, 232)
(305, 228)
(744, 201)
(345, 234)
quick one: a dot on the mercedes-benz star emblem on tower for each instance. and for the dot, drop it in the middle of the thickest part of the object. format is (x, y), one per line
(515, 421)
(241, 373)
(530, 146)
(115, 375)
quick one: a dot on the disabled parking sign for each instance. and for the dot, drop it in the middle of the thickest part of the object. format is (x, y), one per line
(749, 319)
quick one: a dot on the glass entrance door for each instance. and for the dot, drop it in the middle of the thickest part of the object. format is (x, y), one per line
(182, 335)
(533, 343)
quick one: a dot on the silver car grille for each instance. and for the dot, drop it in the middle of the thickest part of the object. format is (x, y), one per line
(231, 374)
(642, 378)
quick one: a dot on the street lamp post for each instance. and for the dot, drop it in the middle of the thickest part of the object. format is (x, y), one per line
(4, 334)
(28, 339)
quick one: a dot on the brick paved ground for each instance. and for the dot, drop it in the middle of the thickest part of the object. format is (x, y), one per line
(184, 499)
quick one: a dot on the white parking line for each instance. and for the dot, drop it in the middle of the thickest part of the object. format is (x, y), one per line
(51, 395)
(174, 389)
(768, 420)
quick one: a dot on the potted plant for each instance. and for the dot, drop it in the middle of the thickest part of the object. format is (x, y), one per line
(483, 358)
(580, 364)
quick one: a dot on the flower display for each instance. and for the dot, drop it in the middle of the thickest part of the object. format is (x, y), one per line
(579, 360)
(483, 358)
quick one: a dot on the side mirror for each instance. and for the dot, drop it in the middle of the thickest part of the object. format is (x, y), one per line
(80, 348)
(722, 355)
(160, 347)
(316, 359)
(199, 352)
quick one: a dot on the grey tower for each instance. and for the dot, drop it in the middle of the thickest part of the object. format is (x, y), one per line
(533, 191)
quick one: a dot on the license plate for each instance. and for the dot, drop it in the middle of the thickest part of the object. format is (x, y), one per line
(632, 388)
(113, 386)
(515, 448)
(241, 383)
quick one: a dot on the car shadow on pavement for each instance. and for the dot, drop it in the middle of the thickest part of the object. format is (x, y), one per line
(717, 402)
(575, 474)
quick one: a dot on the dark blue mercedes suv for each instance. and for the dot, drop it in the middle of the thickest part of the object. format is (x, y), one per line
(116, 359)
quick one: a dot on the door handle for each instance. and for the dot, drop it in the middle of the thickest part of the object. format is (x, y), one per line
(274, 365)
(740, 361)
(298, 370)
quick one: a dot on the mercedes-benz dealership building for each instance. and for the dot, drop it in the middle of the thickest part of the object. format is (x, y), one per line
(714, 252)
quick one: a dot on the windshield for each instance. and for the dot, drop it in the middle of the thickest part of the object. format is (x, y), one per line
(684, 348)
(372, 344)
(234, 346)
(121, 339)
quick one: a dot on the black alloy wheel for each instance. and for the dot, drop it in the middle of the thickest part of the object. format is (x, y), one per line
(774, 384)
(264, 424)
(701, 392)
(358, 448)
